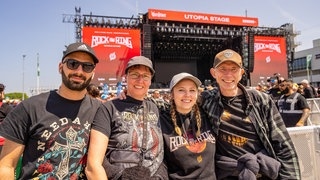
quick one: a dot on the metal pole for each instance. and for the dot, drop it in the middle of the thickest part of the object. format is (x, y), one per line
(23, 58)
(38, 74)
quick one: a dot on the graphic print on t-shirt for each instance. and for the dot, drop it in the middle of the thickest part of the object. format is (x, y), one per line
(195, 145)
(68, 143)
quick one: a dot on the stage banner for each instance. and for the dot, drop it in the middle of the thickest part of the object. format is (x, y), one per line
(194, 17)
(270, 57)
(114, 47)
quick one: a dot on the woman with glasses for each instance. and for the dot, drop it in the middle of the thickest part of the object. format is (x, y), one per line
(126, 140)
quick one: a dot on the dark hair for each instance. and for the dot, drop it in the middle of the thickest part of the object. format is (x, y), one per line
(93, 90)
(2, 87)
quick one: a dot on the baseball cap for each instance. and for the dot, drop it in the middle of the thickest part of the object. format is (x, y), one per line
(304, 81)
(178, 77)
(227, 55)
(82, 47)
(140, 60)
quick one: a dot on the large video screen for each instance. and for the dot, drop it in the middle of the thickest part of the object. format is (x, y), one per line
(114, 47)
(270, 57)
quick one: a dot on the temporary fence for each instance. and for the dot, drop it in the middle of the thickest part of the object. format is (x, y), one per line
(314, 117)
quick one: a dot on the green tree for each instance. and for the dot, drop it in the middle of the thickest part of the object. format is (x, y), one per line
(16, 95)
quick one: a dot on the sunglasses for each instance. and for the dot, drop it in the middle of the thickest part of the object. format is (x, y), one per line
(73, 64)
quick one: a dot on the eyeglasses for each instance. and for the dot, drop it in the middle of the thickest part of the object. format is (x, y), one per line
(74, 64)
(225, 70)
(145, 77)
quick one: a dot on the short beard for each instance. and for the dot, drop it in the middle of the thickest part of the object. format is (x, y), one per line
(72, 85)
(285, 91)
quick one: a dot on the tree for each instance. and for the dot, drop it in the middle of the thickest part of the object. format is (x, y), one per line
(16, 95)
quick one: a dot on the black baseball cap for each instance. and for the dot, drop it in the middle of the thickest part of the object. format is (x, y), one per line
(82, 47)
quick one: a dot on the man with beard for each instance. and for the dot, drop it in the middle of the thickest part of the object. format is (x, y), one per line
(50, 131)
(293, 107)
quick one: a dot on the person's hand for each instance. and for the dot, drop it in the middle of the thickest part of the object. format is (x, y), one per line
(300, 124)
(122, 95)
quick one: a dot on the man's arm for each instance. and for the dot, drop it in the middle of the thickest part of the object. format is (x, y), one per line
(304, 117)
(9, 157)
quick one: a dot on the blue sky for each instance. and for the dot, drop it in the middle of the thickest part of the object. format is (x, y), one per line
(34, 28)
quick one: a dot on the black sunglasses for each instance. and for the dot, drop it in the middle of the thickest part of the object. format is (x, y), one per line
(74, 64)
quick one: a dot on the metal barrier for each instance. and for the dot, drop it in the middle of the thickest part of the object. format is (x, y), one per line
(306, 140)
(314, 117)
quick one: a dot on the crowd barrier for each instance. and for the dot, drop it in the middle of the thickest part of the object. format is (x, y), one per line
(314, 118)
(306, 140)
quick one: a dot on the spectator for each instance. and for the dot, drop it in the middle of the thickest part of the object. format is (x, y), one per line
(5, 108)
(308, 90)
(167, 97)
(293, 107)
(252, 141)
(261, 88)
(188, 136)
(300, 89)
(111, 96)
(274, 90)
(295, 87)
(50, 130)
(126, 140)
(94, 91)
(158, 100)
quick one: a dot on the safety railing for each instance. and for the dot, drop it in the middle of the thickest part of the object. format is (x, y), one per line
(314, 118)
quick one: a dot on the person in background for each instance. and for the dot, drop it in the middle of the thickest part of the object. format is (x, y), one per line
(166, 97)
(94, 91)
(158, 100)
(126, 139)
(300, 89)
(261, 88)
(189, 141)
(5, 108)
(274, 90)
(295, 87)
(252, 141)
(293, 107)
(111, 96)
(50, 131)
(308, 90)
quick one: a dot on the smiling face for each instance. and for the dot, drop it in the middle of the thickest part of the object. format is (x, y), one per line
(185, 94)
(76, 79)
(227, 75)
(138, 81)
